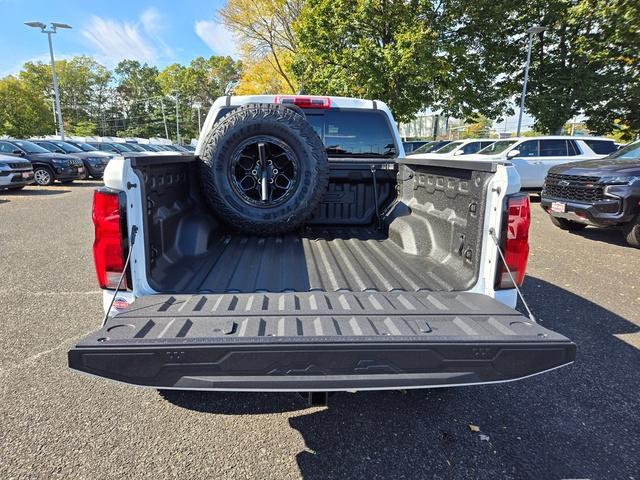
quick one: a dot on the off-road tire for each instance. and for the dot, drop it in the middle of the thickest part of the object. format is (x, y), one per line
(222, 147)
(568, 225)
(631, 232)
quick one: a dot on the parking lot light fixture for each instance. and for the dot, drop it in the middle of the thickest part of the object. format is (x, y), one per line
(49, 31)
(531, 31)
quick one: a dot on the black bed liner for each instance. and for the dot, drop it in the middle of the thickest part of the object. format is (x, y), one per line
(329, 260)
(319, 341)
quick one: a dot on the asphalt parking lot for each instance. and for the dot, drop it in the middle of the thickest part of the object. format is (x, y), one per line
(582, 421)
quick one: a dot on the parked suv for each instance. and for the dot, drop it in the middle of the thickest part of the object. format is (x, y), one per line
(534, 156)
(430, 147)
(94, 162)
(602, 193)
(47, 166)
(15, 173)
(114, 147)
(457, 148)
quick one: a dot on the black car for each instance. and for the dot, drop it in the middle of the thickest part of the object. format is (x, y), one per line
(94, 162)
(602, 193)
(47, 166)
(113, 147)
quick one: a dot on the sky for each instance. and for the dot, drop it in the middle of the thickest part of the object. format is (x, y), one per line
(157, 32)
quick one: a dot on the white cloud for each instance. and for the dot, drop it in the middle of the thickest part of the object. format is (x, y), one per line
(116, 40)
(217, 37)
(151, 20)
(43, 58)
(154, 24)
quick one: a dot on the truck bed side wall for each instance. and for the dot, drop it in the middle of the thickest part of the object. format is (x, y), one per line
(440, 215)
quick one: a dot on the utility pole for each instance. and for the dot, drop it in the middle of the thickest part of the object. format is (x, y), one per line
(53, 28)
(177, 120)
(531, 31)
(164, 119)
(53, 110)
(198, 106)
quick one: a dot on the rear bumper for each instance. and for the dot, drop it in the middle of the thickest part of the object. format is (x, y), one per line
(275, 342)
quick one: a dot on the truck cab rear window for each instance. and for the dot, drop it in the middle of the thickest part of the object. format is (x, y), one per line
(354, 133)
(349, 133)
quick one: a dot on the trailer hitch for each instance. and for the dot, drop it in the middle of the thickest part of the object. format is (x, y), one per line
(315, 399)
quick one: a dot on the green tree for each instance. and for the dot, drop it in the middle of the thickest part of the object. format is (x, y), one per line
(477, 127)
(84, 129)
(200, 82)
(610, 45)
(137, 99)
(83, 85)
(375, 49)
(478, 42)
(267, 38)
(23, 112)
(561, 79)
(450, 55)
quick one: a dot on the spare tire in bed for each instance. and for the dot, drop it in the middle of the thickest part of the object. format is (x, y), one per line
(264, 169)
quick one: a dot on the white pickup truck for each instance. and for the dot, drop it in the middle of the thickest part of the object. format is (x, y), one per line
(393, 279)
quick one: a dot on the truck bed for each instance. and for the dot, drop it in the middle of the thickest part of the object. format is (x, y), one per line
(331, 260)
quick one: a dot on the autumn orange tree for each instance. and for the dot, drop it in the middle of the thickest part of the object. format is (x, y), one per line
(267, 39)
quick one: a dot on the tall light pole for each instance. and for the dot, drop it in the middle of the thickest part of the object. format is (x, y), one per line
(51, 30)
(531, 31)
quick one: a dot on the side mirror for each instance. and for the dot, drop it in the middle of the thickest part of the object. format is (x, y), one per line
(18, 152)
(458, 152)
(59, 150)
(513, 153)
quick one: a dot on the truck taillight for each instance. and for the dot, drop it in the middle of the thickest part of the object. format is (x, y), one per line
(109, 246)
(304, 101)
(516, 241)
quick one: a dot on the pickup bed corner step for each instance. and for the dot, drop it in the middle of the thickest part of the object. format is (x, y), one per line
(319, 341)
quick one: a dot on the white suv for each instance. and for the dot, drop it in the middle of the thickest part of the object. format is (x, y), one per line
(534, 156)
(458, 147)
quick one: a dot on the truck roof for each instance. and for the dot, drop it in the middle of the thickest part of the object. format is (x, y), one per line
(335, 102)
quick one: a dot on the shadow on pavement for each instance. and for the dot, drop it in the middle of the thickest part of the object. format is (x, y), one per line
(86, 183)
(613, 236)
(576, 422)
(234, 403)
(36, 191)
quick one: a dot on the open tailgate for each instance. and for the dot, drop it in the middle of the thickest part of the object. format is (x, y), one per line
(319, 341)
